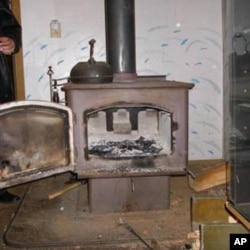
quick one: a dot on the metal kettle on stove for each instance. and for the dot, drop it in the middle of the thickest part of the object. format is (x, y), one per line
(91, 71)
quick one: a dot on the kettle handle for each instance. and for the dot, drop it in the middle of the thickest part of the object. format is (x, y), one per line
(91, 43)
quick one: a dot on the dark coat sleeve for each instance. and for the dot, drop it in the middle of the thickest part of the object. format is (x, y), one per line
(9, 26)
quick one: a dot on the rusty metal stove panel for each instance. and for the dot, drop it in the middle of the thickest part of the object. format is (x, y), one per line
(169, 100)
(36, 141)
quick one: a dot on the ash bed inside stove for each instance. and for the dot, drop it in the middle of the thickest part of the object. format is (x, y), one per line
(129, 132)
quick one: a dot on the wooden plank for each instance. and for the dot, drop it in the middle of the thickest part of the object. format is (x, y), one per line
(18, 58)
(237, 215)
(209, 177)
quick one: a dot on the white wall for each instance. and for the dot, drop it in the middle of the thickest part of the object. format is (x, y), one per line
(177, 38)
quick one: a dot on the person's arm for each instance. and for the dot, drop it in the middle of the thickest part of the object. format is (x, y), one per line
(10, 30)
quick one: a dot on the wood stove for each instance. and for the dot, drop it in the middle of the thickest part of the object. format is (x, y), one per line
(145, 123)
(150, 112)
(133, 125)
(126, 137)
(129, 137)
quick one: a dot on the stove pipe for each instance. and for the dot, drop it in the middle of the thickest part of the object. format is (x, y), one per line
(120, 39)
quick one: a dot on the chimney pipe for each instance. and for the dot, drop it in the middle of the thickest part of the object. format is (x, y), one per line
(120, 39)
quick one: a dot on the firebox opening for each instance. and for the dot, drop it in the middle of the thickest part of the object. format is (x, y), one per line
(129, 131)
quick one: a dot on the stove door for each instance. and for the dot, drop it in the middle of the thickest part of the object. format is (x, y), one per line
(36, 141)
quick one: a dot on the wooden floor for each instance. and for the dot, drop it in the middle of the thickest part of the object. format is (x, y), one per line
(179, 203)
